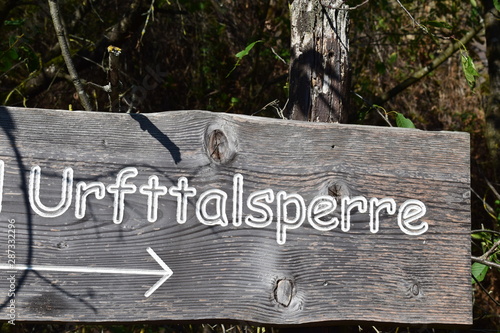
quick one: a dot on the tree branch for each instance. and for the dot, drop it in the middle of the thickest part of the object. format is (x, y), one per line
(485, 262)
(485, 230)
(418, 75)
(114, 35)
(424, 29)
(490, 251)
(63, 42)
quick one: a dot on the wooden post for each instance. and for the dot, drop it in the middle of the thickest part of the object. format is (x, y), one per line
(319, 70)
(193, 215)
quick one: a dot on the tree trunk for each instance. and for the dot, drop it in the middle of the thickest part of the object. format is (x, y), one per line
(492, 132)
(319, 70)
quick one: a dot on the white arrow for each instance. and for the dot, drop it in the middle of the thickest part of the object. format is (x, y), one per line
(165, 273)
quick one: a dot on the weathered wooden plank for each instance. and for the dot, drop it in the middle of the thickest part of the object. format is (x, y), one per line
(229, 256)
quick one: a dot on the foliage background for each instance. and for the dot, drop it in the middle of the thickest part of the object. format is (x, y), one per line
(180, 54)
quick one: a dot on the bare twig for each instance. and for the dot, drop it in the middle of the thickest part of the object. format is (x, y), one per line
(424, 29)
(484, 290)
(275, 105)
(106, 88)
(384, 116)
(278, 56)
(485, 262)
(92, 61)
(150, 13)
(492, 188)
(490, 251)
(375, 107)
(13, 67)
(95, 11)
(63, 42)
(485, 230)
(486, 205)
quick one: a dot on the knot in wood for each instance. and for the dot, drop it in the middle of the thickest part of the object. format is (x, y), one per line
(415, 289)
(217, 146)
(338, 190)
(283, 292)
(220, 149)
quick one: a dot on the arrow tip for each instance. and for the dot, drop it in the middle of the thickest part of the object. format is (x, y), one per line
(168, 272)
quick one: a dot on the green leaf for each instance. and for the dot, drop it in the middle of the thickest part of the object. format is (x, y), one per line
(241, 54)
(12, 54)
(496, 3)
(7, 59)
(469, 69)
(402, 121)
(247, 50)
(479, 271)
(392, 58)
(438, 24)
(478, 236)
(13, 23)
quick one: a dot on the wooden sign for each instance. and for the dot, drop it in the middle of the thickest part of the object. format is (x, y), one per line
(193, 215)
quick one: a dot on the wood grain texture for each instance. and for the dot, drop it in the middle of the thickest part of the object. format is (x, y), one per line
(233, 272)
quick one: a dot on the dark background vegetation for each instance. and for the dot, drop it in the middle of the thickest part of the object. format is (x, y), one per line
(180, 54)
